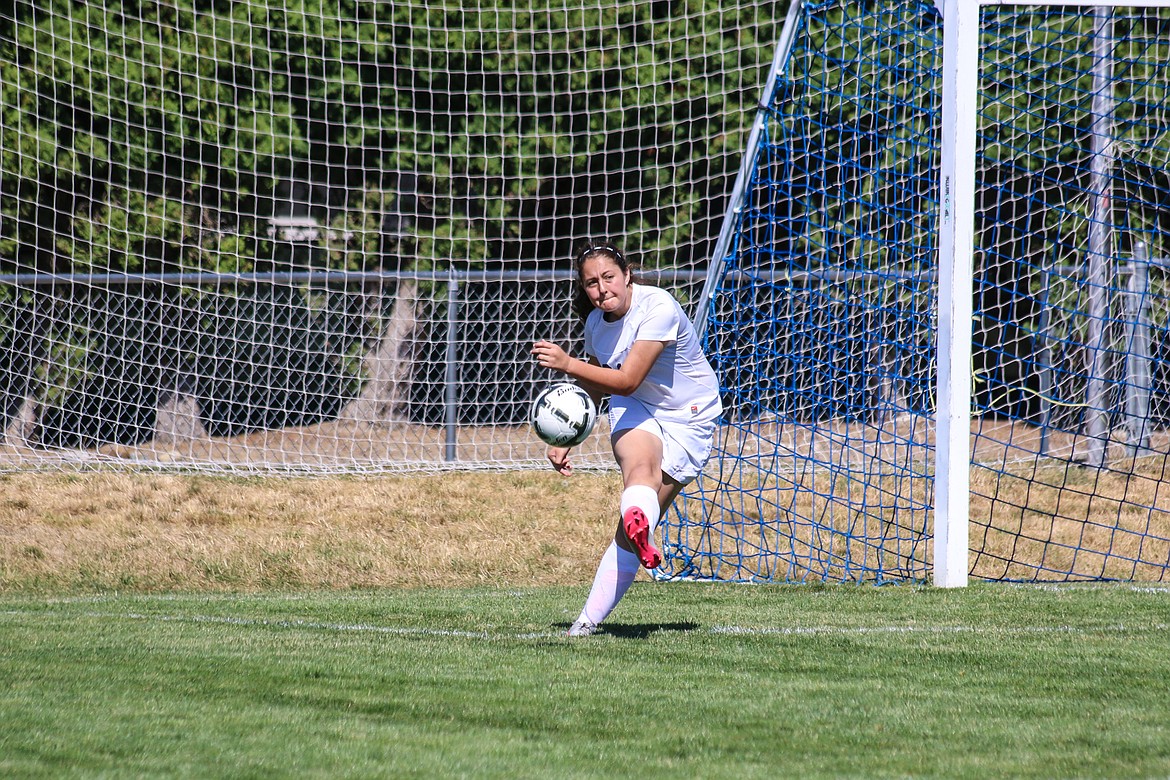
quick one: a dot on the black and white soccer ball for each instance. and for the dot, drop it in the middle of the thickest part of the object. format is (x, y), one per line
(563, 415)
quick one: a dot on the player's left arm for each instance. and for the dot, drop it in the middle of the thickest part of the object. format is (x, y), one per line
(598, 379)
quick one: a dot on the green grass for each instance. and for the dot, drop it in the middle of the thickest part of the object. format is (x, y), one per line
(688, 681)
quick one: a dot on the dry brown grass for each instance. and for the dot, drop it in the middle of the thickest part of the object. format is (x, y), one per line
(1060, 516)
(150, 531)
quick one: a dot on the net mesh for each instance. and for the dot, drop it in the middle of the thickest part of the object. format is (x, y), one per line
(823, 319)
(322, 236)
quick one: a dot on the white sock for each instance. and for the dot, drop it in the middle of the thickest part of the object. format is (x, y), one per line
(614, 575)
(645, 498)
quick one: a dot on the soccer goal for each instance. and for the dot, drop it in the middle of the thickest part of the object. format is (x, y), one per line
(939, 302)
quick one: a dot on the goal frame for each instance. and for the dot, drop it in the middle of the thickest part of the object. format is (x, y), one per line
(957, 200)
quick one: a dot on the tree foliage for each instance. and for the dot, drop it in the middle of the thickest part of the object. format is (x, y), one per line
(144, 136)
(153, 137)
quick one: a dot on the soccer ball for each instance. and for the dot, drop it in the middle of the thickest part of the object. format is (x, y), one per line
(563, 415)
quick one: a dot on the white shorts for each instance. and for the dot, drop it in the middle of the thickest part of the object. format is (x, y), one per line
(685, 446)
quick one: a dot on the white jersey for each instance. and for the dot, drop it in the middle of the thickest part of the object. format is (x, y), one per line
(681, 386)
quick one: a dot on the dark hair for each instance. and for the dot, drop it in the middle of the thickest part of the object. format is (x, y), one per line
(590, 248)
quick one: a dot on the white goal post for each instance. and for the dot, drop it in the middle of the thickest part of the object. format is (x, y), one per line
(956, 244)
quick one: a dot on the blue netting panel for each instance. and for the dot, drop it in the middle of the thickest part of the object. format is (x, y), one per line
(822, 325)
(821, 328)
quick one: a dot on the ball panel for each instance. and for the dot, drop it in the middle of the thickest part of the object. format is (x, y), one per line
(563, 415)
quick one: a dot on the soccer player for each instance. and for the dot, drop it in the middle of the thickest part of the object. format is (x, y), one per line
(642, 352)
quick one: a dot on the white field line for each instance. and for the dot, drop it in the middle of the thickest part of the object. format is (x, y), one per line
(731, 630)
(1161, 589)
(940, 630)
(748, 631)
(290, 624)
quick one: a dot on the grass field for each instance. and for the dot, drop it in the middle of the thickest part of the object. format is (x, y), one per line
(174, 661)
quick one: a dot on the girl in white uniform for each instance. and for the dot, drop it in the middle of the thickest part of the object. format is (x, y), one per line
(663, 405)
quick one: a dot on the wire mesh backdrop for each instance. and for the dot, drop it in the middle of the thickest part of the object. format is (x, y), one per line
(823, 319)
(316, 236)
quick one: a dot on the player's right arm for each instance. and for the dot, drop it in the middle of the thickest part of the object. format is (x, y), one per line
(595, 378)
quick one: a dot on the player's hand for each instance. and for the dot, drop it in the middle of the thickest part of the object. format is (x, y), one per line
(549, 355)
(559, 458)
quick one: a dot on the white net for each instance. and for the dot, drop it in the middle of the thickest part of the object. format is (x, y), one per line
(321, 236)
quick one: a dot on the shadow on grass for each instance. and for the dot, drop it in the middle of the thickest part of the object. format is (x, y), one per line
(638, 630)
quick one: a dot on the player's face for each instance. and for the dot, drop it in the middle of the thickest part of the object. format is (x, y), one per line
(606, 285)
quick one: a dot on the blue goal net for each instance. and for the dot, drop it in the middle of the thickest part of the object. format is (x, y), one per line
(820, 316)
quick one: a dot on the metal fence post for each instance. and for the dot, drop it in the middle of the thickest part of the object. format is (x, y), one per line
(451, 373)
(1138, 376)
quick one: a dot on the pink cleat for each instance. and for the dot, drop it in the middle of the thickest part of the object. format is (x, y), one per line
(637, 529)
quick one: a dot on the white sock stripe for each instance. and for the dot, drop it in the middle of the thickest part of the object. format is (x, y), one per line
(610, 557)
